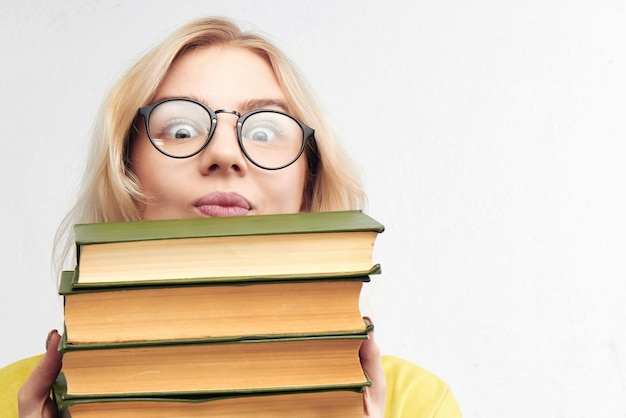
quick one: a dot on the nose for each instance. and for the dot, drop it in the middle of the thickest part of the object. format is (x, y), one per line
(223, 153)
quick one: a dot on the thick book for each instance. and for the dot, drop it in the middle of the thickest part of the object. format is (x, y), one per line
(249, 310)
(208, 367)
(244, 248)
(302, 404)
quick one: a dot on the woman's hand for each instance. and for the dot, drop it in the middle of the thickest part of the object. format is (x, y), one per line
(33, 399)
(374, 396)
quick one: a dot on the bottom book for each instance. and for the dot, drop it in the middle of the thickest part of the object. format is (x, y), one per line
(314, 404)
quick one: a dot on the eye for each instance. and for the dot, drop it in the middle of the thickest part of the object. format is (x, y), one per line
(268, 127)
(179, 121)
(181, 130)
(261, 132)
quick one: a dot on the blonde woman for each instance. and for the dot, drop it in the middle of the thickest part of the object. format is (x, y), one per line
(169, 143)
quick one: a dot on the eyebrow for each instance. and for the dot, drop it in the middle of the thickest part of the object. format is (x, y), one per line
(255, 104)
(243, 107)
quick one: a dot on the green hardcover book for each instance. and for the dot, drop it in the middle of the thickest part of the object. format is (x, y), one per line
(324, 403)
(210, 367)
(321, 244)
(248, 310)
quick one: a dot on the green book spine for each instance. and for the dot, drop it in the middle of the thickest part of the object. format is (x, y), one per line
(64, 400)
(69, 280)
(294, 223)
(65, 346)
(68, 284)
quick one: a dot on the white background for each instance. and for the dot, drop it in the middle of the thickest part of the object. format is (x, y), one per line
(491, 137)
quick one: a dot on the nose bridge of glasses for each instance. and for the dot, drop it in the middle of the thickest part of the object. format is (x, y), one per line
(228, 112)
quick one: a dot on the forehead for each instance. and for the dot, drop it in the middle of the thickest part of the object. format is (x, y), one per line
(222, 76)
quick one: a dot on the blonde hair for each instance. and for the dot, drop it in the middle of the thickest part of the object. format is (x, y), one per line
(110, 192)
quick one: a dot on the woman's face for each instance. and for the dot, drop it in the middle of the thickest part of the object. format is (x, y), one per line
(219, 181)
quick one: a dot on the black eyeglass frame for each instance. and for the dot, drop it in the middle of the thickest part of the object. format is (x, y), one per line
(308, 133)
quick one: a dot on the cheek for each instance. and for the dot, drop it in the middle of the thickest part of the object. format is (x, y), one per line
(151, 168)
(278, 191)
(139, 157)
(288, 187)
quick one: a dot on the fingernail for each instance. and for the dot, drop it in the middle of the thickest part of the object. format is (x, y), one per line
(50, 337)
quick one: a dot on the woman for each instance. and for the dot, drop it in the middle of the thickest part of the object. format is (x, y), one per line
(208, 86)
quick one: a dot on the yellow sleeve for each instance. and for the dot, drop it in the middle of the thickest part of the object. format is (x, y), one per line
(11, 379)
(413, 392)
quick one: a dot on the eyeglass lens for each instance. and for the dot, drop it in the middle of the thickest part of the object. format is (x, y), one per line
(181, 128)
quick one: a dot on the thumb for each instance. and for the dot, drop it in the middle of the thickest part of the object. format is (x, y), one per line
(374, 396)
(35, 392)
(369, 354)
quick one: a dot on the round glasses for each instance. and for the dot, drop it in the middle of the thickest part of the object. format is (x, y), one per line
(182, 127)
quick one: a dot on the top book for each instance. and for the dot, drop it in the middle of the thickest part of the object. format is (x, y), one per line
(226, 249)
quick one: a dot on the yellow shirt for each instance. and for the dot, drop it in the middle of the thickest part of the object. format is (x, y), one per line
(412, 392)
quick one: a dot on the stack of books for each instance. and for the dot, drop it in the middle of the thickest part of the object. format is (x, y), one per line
(230, 317)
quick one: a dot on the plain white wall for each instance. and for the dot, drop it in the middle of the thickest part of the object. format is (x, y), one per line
(491, 137)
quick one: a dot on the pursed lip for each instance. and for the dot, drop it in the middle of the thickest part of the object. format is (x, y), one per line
(223, 204)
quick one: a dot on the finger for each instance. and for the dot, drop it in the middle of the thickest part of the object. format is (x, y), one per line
(46, 372)
(374, 396)
(35, 392)
(369, 354)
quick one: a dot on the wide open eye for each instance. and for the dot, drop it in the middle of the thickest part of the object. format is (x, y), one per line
(179, 128)
(271, 139)
(261, 131)
(269, 127)
(182, 130)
